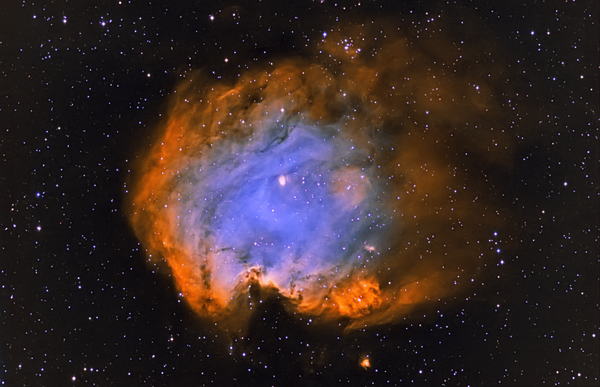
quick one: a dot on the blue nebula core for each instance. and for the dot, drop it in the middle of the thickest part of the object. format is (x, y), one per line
(300, 203)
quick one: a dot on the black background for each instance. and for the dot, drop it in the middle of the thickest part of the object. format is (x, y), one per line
(78, 100)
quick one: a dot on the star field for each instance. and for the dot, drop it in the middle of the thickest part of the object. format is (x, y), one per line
(83, 88)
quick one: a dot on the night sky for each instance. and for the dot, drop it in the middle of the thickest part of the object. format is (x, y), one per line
(482, 113)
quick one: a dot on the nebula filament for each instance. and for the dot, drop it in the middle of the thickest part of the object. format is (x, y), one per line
(343, 184)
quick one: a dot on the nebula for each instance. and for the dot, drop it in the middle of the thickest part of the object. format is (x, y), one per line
(351, 181)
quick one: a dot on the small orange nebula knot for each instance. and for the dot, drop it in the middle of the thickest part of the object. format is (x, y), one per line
(365, 363)
(357, 298)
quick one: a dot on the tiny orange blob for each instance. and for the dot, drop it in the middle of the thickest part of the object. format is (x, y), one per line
(365, 363)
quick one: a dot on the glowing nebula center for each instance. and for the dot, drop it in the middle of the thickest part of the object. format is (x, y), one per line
(330, 182)
(296, 204)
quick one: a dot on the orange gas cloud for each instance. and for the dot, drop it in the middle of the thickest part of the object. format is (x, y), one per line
(353, 185)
